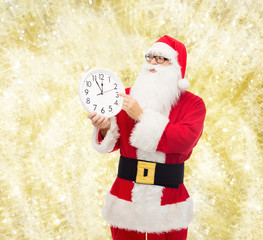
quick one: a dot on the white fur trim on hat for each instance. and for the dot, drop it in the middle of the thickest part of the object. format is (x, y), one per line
(152, 218)
(164, 50)
(183, 84)
(109, 141)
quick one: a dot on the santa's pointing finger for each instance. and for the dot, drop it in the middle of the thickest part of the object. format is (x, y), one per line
(131, 107)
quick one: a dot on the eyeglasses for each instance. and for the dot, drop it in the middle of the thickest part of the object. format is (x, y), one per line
(158, 59)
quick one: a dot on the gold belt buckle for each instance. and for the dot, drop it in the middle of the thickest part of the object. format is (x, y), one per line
(147, 167)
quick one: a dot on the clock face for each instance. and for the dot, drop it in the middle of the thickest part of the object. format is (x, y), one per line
(99, 92)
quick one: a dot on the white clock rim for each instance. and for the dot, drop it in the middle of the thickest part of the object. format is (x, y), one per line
(106, 71)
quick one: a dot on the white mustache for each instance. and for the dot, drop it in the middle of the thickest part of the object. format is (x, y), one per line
(153, 67)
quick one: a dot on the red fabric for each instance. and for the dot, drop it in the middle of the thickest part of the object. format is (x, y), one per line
(179, 137)
(178, 47)
(178, 140)
(122, 234)
(123, 189)
(185, 127)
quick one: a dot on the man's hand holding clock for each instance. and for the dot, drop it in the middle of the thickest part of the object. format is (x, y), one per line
(130, 106)
(108, 101)
(100, 122)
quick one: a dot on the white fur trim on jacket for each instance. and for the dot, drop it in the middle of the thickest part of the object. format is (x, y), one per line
(154, 219)
(108, 143)
(147, 133)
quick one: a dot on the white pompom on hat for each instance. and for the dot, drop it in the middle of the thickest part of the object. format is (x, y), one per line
(174, 50)
(183, 84)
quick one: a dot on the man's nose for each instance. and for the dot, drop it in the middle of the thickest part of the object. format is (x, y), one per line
(153, 61)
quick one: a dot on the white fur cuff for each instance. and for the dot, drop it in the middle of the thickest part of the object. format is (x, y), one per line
(147, 133)
(108, 143)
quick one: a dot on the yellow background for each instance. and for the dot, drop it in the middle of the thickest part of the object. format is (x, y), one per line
(52, 183)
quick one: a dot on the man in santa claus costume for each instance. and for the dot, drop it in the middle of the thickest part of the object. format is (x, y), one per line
(156, 131)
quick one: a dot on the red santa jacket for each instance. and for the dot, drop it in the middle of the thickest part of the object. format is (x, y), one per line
(165, 139)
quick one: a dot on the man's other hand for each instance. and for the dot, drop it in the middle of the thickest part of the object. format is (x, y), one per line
(131, 107)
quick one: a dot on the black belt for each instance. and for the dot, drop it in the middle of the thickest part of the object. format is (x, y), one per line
(145, 172)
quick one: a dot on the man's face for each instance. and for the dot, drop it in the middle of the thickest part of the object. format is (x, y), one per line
(157, 60)
(156, 86)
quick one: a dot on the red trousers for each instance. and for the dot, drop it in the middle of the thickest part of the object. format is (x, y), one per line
(122, 234)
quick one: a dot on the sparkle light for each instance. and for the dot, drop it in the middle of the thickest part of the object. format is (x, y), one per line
(53, 183)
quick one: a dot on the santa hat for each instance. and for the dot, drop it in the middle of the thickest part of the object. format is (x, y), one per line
(174, 50)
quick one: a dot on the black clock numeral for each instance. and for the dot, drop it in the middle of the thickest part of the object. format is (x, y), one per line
(116, 102)
(86, 91)
(110, 108)
(94, 77)
(88, 100)
(109, 79)
(102, 111)
(101, 76)
(117, 95)
(95, 106)
(89, 84)
(115, 84)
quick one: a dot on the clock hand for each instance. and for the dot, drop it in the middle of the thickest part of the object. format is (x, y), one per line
(98, 85)
(106, 91)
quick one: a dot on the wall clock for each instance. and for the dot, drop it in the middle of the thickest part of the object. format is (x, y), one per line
(99, 92)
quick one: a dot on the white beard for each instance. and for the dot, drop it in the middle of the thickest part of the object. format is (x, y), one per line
(157, 91)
